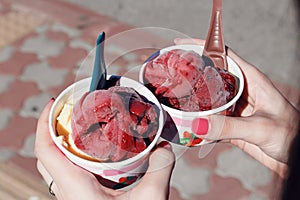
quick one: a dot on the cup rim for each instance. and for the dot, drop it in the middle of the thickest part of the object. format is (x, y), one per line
(199, 49)
(109, 165)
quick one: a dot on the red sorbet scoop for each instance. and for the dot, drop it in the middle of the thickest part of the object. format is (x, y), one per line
(180, 79)
(113, 124)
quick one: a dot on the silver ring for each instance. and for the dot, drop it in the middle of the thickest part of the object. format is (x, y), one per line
(50, 188)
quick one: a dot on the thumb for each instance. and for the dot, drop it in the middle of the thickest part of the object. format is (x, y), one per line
(157, 178)
(221, 127)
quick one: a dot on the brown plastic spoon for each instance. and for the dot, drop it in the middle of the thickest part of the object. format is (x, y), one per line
(214, 50)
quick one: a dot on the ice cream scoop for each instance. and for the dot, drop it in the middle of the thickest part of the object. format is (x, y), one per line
(214, 53)
(180, 79)
(113, 124)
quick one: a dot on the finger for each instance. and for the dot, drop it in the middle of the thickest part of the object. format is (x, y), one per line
(67, 176)
(45, 149)
(42, 126)
(259, 155)
(248, 69)
(45, 174)
(48, 179)
(189, 41)
(220, 127)
(225, 127)
(50, 156)
(157, 178)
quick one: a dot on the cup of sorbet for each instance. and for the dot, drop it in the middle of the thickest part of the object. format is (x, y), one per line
(178, 125)
(116, 175)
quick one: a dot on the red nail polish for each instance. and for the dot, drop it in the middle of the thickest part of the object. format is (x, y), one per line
(51, 100)
(165, 144)
(200, 126)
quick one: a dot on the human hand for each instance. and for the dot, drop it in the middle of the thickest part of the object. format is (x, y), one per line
(265, 123)
(73, 182)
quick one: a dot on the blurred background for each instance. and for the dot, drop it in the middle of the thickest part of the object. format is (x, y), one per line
(44, 44)
(265, 32)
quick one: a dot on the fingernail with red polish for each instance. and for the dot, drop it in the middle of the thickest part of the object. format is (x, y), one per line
(165, 144)
(200, 126)
(51, 100)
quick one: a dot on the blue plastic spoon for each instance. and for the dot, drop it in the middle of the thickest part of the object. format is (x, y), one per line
(99, 71)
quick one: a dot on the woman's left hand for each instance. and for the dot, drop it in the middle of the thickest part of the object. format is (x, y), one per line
(72, 182)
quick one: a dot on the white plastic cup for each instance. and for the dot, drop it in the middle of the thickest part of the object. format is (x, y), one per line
(114, 175)
(179, 123)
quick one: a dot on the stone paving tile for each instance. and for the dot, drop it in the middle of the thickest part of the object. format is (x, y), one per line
(231, 189)
(29, 164)
(291, 93)
(16, 24)
(6, 80)
(16, 132)
(4, 7)
(16, 93)
(62, 28)
(6, 115)
(33, 106)
(190, 180)
(17, 62)
(42, 46)
(55, 35)
(273, 190)
(77, 43)
(255, 197)
(27, 151)
(5, 53)
(42, 29)
(6, 154)
(44, 75)
(91, 31)
(68, 57)
(68, 80)
(210, 160)
(17, 43)
(174, 194)
(251, 173)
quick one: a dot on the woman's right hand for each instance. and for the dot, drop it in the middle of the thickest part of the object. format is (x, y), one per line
(265, 122)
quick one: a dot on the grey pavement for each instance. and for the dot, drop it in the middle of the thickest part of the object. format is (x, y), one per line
(264, 32)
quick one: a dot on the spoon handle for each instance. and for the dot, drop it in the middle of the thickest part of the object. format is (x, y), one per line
(214, 45)
(99, 71)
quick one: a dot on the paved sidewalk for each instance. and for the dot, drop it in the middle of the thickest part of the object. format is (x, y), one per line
(43, 47)
(265, 33)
